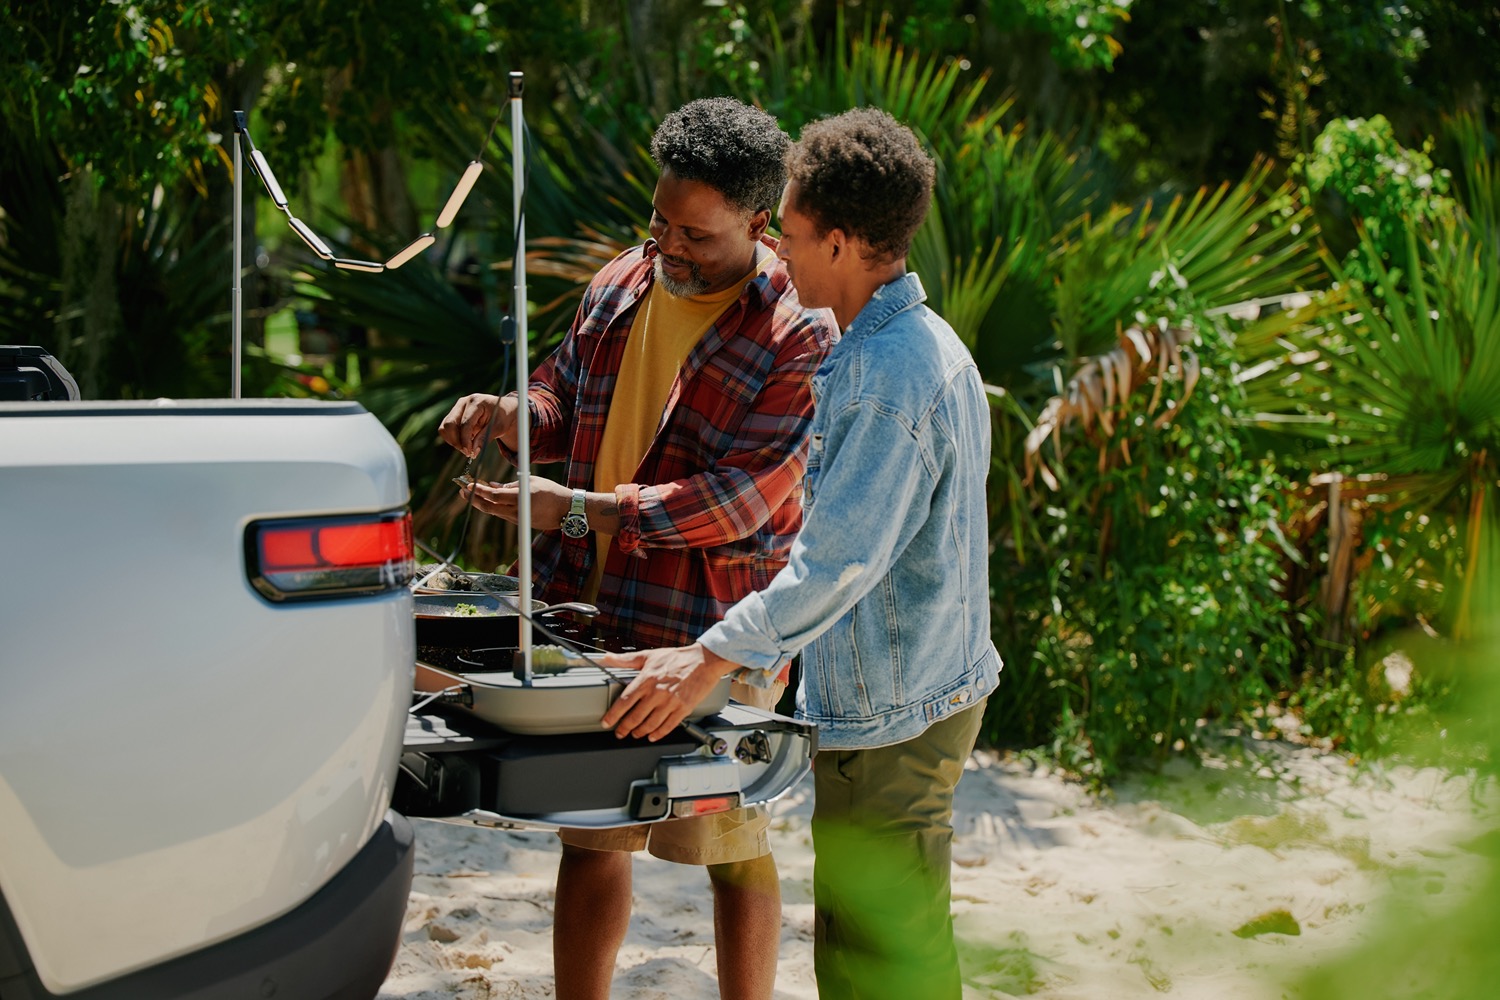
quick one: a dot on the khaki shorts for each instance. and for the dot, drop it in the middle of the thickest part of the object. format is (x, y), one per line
(715, 839)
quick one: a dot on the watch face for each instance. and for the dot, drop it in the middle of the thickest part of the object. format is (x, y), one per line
(575, 525)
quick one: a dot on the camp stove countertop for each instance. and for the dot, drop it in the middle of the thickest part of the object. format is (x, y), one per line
(485, 747)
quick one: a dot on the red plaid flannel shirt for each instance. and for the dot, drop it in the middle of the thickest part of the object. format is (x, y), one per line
(719, 493)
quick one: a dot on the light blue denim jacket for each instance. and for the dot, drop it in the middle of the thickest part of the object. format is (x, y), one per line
(887, 588)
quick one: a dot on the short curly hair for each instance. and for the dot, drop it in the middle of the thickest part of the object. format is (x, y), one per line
(736, 149)
(865, 173)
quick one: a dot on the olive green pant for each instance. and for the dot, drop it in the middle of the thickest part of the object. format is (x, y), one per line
(883, 842)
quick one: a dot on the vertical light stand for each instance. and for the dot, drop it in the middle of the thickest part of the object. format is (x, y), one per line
(234, 295)
(523, 376)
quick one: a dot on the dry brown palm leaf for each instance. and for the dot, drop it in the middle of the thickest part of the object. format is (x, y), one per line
(573, 259)
(1100, 390)
(1106, 365)
(1187, 364)
(1123, 366)
(1166, 354)
(1090, 398)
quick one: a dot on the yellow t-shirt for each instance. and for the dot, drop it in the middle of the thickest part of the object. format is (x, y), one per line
(666, 329)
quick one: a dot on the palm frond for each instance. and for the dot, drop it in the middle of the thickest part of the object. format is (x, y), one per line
(1399, 382)
(1212, 249)
(1098, 396)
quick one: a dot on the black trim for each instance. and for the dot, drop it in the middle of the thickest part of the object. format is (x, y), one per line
(453, 763)
(339, 945)
(30, 374)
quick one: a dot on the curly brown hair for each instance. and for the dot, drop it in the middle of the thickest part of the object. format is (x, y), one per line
(736, 149)
(865, 173)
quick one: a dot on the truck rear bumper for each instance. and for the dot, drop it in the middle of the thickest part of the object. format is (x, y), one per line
(338, 945)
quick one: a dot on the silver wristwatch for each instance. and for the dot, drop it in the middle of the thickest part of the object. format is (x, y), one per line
(575, 523)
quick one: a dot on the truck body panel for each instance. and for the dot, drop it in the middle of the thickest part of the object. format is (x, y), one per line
(132, 643)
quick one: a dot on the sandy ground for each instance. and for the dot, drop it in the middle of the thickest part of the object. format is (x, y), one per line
(1218, 881)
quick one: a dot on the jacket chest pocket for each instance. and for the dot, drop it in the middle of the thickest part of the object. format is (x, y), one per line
(814, 467)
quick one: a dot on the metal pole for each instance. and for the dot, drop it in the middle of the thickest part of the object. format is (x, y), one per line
(523, 375)
(234, 296)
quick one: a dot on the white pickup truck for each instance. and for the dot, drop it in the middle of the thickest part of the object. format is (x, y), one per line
(207, 707)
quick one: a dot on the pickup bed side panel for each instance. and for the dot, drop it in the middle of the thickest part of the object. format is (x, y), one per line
(182, 760)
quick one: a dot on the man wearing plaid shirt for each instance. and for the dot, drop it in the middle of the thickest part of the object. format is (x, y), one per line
(679, 402)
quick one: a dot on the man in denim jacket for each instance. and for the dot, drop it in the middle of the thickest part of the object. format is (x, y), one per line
(887, 589)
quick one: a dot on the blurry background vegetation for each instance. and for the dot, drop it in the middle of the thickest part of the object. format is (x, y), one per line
(1229, 266)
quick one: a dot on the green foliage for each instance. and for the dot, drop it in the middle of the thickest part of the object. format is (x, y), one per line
(1004, 189)
(354, 67)
(1356, 711)
(1201, 90)
(1163, 599)
(1202, 253)
(130, 298)
(1081, 32)
(130, 89)
(1402, 381)
(439, 349)
(1411, 555)
(1478, 181)
(1378, 184)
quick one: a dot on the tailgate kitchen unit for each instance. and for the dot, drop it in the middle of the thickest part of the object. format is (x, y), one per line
(484, 745)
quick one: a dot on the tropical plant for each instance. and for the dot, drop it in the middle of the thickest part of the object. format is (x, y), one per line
(1399, 382)
(1004, 189)
(1152, 560)
(1477, 185)
(1221, 246)
(1202, 90)
(1201, 255)
(1156, 590)
(129, 295)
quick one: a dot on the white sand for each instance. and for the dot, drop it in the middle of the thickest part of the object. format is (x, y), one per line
(1057, 894)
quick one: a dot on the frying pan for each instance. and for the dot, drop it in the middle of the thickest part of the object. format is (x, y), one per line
(569, 701)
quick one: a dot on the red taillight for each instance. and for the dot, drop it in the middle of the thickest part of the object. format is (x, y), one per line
(317, 557)
(704, 805)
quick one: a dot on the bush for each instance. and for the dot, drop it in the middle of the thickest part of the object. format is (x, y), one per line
(1364, 177)
(1162, 579)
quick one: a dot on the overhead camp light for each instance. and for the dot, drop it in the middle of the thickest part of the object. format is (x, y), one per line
(309, 237)
(262, 169)
(373, 266)
(460, 192)
(409, 251)
(269, 179)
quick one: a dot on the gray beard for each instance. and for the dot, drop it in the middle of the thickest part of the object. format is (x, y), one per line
(695, 285)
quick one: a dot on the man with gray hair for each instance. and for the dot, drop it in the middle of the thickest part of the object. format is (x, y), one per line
(679, 402)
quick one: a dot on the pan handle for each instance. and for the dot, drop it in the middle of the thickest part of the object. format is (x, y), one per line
(578, 606)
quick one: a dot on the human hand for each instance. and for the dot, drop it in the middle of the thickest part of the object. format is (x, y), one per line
(671, 682)
(549, 501)
(466, 423)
